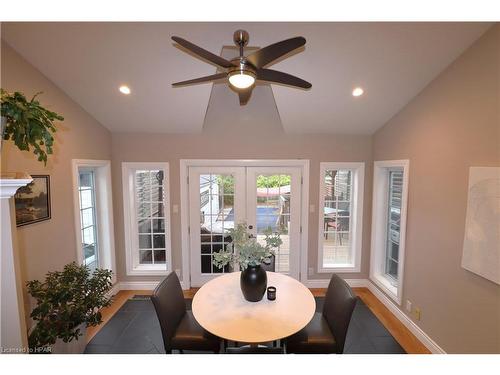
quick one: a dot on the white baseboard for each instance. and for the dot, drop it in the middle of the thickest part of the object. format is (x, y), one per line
(142, 285)
(403, 318)
(114, 289)
(323, 283)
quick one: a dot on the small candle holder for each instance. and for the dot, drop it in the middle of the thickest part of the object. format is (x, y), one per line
(271, 293)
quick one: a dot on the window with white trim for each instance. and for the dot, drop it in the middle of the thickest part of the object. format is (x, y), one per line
(93, 205)
(340, 217)
(147, 218)
(390, 192)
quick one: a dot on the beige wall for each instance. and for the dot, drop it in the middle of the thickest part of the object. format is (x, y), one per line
(49, 245)
(173, 148)
(452, 125)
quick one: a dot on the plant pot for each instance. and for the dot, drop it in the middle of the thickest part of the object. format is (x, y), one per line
(74, 346)
(253, 283)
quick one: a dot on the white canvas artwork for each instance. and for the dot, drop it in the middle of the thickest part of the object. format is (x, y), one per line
(481, 252)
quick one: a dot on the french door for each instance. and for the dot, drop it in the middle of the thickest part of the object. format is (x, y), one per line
(262, 197)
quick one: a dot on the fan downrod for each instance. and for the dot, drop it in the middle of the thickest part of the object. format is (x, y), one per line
(241, 38)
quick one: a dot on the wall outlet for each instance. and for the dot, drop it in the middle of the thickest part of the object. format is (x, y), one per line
(178, 272)
(175, 208)
(310, 272)
(418, 313)
(408, 305)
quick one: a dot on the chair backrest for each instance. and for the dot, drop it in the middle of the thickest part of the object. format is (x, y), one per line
(271, 267)
(337, 309)
(170, 306)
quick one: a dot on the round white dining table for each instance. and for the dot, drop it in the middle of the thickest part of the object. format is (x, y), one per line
(220, 308)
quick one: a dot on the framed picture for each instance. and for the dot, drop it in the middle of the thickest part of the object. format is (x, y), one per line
(33, 201)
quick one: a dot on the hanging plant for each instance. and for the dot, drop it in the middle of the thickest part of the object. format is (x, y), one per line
(28, 124)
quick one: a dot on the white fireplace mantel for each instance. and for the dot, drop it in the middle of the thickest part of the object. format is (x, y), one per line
(10, 182)
(13, 336)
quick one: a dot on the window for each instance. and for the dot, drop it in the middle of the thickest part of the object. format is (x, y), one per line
(340, 217)
(393, 223)
(147, 218)
(94, 214)
(388, 225)
(88, 225)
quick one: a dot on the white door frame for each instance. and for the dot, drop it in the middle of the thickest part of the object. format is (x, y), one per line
(184, 190)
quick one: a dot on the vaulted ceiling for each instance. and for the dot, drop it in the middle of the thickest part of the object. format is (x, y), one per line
(393, 62)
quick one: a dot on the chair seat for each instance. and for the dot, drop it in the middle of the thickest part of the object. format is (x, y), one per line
(315, 338)
(191, 336)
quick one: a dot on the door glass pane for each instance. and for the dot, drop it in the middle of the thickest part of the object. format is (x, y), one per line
(337, 209)
(393, 223)
(273, 211)
(216, 217)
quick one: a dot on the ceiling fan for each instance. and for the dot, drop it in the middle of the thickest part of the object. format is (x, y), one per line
(242, 72)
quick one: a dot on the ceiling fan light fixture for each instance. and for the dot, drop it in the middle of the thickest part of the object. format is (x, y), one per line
(241, 79)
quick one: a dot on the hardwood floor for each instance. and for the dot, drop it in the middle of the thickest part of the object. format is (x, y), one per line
(400, 333)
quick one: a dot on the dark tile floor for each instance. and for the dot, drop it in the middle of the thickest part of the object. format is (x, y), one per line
(135, 329)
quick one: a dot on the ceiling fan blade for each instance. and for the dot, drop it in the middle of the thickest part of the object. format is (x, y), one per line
(245, 96)
(213, 77)
(217, 60)
(268, 54)
(283, 78)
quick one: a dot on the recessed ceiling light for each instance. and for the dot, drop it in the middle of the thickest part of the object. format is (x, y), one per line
(358, 91)
(124, 89)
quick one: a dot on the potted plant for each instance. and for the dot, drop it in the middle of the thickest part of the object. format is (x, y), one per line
(67, 302)
(27, 123)
(245, 251)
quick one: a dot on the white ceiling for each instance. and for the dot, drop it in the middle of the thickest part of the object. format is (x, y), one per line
(392, 61)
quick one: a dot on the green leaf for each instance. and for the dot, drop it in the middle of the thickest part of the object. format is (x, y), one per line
(28, 124)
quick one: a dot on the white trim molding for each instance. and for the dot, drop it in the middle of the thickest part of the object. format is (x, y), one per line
(379, 227)
(323, 283)
(10, 182)
(356, 222)
(184, 190)
(12, 315)
(405, 320)
(104, 212)
(129, 215)
(142, 285)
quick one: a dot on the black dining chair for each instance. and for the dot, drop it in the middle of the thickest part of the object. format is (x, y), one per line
(326, 332)
(179, 328)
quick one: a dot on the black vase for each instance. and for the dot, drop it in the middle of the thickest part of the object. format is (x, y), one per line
(253, 283)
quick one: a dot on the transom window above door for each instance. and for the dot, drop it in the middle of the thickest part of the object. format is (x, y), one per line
(340, 217)
(147, 218)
